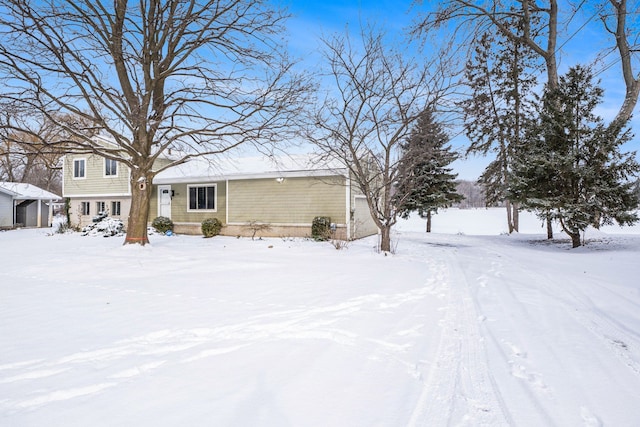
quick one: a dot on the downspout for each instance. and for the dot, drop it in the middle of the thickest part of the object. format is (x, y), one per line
(39, 214)
(348, 206)
(50, 214)
(226, 207)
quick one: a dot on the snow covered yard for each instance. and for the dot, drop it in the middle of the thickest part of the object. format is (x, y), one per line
(456, 328)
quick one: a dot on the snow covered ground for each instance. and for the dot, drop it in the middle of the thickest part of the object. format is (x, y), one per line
(462, 327)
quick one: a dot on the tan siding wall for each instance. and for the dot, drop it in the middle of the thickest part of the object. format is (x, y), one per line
(82, 220)
(293, 201)
(95, 182)
(179, 204)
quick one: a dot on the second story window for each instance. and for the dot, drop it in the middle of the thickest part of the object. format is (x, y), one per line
(110, 167)
(78, 168)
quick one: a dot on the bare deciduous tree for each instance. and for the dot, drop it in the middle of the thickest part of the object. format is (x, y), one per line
(541, 32)
(31, 155)
(197, 76)
(376, 95)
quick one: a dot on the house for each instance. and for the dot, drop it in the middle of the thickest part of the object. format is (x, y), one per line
(281, 196)
(25, 205)
(94, 184)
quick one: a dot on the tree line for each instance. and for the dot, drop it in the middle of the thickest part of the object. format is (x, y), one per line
(203, 77)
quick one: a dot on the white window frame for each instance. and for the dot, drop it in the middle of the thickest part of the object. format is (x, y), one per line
(105, 169)
(85, 208)
(215, 197)
(84, 168)
(115, 208)
(100, 207)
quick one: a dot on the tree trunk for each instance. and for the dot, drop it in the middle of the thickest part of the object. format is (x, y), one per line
(385, 238)
(549, 228)
(429, 222)
(573, 233)
(509, 217)
(575, 239)
(516, 217)
(139, 212)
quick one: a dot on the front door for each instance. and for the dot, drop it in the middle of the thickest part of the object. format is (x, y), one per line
(164, 200)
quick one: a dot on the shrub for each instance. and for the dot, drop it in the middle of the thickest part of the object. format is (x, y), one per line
(321, 228)
(211, 227)
(162, 224)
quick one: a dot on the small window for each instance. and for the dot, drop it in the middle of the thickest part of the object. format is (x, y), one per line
(85, 208)
(110, 167)
(78, 168)
(202, 198)
(115, 208)
(100, 207)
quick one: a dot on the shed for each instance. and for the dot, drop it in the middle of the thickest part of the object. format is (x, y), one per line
(25, 205)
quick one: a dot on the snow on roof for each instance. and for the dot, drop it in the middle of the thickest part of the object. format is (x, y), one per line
(23, 191)
(204, 168)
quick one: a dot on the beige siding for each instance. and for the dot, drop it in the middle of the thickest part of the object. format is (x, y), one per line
(78, 219)
(292, 201)
(179, 212)
(95, 181)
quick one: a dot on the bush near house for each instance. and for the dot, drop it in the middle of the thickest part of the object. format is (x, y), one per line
(211, 227)
(321, 228)
(162, 224)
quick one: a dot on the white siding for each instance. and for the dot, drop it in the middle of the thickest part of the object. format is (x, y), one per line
(6, 210)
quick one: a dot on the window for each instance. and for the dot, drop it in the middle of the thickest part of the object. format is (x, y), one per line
(115, 208)
(110, 167)
(85, 208)
(78, 168)
(100, 207)
(202, 198)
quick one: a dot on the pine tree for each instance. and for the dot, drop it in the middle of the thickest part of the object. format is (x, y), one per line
(495, 111)
(571, 165)
(425, 183)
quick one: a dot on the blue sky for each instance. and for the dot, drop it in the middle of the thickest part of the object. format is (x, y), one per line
(311, 19)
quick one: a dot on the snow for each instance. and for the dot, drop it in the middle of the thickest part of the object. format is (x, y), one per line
(465, 326)
(205, 169)
(26, 191)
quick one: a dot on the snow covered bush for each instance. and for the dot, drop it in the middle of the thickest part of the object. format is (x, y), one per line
(211, 227)
(107, 227)
(162, 224)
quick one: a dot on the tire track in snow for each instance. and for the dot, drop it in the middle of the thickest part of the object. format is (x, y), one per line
(531, 384)
(613, 335)
(459, 388)
(533, 287)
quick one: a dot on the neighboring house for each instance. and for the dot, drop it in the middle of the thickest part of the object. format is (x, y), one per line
(25, 205)
(279, 196)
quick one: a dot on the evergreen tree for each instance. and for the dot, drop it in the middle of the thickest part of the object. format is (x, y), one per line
(499, 104)
(425, 183)
(571, 165)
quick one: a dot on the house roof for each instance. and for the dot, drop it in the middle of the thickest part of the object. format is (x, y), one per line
(21, 191)
(203, 169)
